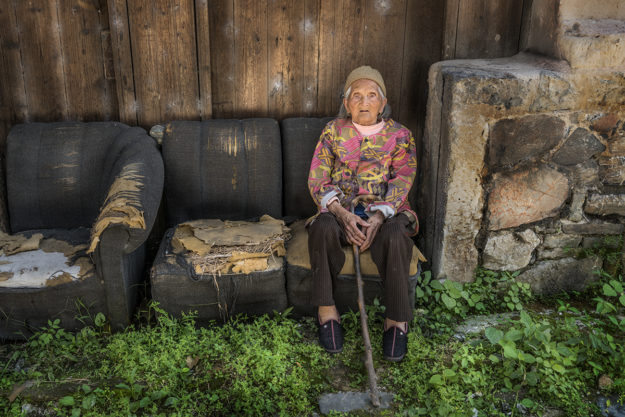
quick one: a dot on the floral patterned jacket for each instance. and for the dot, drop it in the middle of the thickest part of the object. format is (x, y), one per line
(345, 165)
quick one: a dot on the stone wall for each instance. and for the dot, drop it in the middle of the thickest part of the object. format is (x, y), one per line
(524, 159)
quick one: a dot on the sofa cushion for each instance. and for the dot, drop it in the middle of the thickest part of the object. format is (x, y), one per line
(56, 172)
(43, 261)
(55, 280)
(299, 139)
(227, 169)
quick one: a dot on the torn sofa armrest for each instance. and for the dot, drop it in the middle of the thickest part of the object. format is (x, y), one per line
(134, 195)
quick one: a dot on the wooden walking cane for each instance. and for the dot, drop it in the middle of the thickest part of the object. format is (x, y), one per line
(374, 393)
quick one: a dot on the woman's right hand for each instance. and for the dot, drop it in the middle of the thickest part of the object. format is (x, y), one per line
(350, 223)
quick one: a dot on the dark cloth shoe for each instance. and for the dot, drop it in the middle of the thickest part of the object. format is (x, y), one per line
(395, 344)
(331, 336)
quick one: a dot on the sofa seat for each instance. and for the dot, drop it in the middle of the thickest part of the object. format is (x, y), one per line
(221, 268)
(48, 276)
(299, 283)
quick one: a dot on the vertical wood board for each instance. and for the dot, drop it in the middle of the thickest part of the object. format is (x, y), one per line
(285, 57)
(251, 76)
(488, 28)
(221, 14)
(384, 37)
(122, 61)
(162, 35)
(42, 60)
(202, 30)
(90, 95)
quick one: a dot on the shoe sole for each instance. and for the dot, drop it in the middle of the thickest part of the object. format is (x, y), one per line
(394, 358)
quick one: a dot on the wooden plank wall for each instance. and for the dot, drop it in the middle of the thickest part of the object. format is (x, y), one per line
(144, 62)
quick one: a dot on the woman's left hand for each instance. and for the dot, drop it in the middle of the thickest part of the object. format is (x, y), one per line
(370, 231)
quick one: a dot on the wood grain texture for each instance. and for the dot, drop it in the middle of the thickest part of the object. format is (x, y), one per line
(90, 96)
(251, 75)
(450, 32)
(42, 60)
(162, 35)
(310, 64)
(202, 30)
(384, 49)
(221, 14)
(327, 92)
(489, 28)
(285, 57)
(13, 104)
(423, 46)
(122, 61)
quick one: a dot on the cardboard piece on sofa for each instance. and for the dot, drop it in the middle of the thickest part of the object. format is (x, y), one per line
(297, 254)
(120, 205)
(12, 244)
(215, 247)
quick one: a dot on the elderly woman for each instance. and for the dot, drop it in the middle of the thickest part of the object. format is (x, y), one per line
(363, 152)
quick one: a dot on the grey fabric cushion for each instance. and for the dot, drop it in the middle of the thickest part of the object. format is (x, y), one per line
(226, 169)
(58, 173)
(299, 138)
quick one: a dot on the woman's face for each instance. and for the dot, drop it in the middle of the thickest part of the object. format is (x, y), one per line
(364, 102)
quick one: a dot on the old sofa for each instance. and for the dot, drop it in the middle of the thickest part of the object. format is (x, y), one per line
(242, 169)
(219, 169)
(90, 192)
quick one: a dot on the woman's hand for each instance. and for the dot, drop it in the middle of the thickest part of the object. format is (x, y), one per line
(375, 222)
(350, 223)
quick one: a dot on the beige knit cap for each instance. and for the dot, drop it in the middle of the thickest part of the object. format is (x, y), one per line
(365, 72)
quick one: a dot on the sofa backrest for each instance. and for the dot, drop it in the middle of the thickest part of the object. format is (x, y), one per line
(57, 172)
(222, 168)
(299, 139)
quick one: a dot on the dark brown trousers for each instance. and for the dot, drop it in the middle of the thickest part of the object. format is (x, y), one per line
(391, 251)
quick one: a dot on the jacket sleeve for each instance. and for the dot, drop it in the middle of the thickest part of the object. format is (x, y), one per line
(402, 172)
(320, 176)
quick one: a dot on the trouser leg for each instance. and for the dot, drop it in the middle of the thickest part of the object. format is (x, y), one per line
(325, 237)
(391, 251)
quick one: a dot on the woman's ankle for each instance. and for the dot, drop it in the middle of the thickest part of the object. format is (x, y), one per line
(402, 325)
(327, 313)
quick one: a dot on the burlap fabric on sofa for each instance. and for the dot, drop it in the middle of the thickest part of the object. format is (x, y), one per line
(86, 194)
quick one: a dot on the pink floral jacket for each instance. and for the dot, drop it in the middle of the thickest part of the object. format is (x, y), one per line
(345, 164)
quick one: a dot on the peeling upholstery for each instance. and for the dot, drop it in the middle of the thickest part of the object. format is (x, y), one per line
(72, 176)
(122, 204)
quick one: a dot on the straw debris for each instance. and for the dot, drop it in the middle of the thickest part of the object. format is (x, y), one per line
(218, 247)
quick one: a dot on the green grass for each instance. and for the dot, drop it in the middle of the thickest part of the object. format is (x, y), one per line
(272, 365)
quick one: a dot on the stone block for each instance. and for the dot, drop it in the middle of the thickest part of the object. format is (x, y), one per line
(605, 123)
(576, 208)
(594, 242)
(509, 251)
(605, 204)
(561, 241)
(579, 146)
(526, 196)
(612, 170)
(612, 161)
(512, 140)
(593, 228)
(555, 253)
(585, 174)
(593, 43)
(568, 274)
